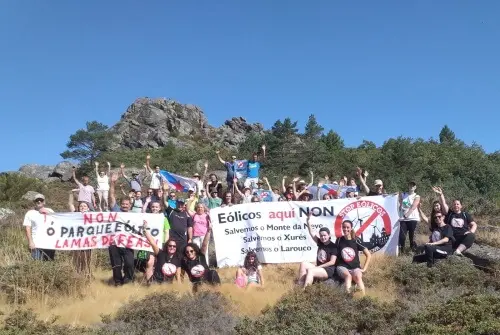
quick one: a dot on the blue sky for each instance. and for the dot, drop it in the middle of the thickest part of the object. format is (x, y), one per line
(367, 69)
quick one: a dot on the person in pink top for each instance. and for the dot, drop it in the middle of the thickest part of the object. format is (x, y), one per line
(201, 222)
(86, 191)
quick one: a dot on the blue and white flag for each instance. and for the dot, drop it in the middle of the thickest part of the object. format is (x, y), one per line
(180, 183)
(240, 168)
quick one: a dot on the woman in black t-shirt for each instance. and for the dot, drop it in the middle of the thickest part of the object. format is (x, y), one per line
(194, 263)
(167, 262)
(440, 241)
(348, 264)
(325, 259)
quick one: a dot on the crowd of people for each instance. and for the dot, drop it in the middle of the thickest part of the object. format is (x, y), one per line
(187, 224)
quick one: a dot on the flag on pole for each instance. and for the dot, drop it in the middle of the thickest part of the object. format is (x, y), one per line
(179, 183)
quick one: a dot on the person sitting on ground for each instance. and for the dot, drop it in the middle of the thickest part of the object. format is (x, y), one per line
(325, 259)
(157, 178)
(168, 262)
(86, 191)
(440, 243)
(409, 218)
(348, 264)
(250, 274)
(213, 198)
(81, 258)
(135, 182)
(462, 223)
(194, 263)
(33, 220)
(246, 195)
(214, 183)
(378, 184)
(253, 168)
(102, 186)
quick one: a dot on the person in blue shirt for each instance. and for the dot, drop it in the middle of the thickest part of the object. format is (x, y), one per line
(253, 169)
(230, 169)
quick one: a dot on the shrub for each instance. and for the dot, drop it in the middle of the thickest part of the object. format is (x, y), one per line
(204, 313)
(37, 279)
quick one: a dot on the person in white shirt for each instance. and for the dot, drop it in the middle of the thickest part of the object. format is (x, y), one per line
(157, 179)
(33, 219)
(409, 216)
(102, 186)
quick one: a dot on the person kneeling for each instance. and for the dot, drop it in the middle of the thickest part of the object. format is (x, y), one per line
(440, 241)
(325, 260)
(250, 274)
(348, 265)
(194, 263)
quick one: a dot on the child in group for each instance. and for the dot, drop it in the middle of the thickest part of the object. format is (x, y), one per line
(250, 274)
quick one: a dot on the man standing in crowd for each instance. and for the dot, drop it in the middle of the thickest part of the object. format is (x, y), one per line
(120, 257)
(135, 183)
(86, 191)
(230, 170)
(378, 184)
(181, 225)
(34, 219)
(253, 169)
(156, 178)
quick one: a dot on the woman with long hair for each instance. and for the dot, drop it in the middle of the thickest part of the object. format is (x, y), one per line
(325, 259)
(250, 274)
(81, 258)
(201, 223)
(348, 264)
(194, 263)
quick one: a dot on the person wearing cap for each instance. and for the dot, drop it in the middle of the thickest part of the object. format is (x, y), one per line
(378, 185)
(325, 258)
(86, 191)
(199, 180)
(181, 225)
(170, 200)
(214, 200)
(246, 195)
(350, 192)
(34, 219)
(230, 170)
(191, 201)
(301, 185)
(253, 168)
(135, 182)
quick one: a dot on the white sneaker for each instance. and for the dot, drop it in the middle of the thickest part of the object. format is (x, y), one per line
(458, 253)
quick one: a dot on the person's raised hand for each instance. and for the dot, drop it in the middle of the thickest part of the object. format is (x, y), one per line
(206, 165)
(358, 171)
(109, 164)
(148, 157)
(265, 179)
(165, 186)
(284, 177)
(311, 173)
(437, 190)
(263, 147)
(327, 178)
(217, 152)
(96, 163)
(296, 179)
(114, 177)
(122, 166)
(320, 184)
(145, 166)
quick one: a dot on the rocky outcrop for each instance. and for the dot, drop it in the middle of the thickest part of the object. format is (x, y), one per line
(5, 212)
(63, 171)
(153, 123)
(60, 172)
(30, 195)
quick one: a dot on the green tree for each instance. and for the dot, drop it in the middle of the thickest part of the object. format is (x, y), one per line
(313, 130)
(87, 144)
(447, 136)
(332, 141)
(284, 130)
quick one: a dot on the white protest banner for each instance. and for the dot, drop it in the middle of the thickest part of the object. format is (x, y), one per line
(276, 231)
(93, 230)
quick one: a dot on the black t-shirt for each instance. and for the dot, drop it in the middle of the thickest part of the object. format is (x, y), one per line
(441, 232)
(217, 186)
(196, 268)
(179, 223)
(348, 253)
(161, 259)
(325, 252)
(459, 222)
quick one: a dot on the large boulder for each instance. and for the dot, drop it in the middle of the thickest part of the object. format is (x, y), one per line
(36, 171)
(5, 212)
(63, 171)
(153, 123)
(30, 195)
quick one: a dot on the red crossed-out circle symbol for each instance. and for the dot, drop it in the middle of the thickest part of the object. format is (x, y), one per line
(378, 211)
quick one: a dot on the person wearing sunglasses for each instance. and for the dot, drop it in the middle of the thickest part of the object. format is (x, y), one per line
(33, 220)
(194, 264)
(168, 262)
(440, 243)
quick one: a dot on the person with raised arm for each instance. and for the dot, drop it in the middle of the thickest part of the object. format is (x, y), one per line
(135, 182)
(157, 179)
(275, 193)
(200, 180)
(409, 216)
(33, 220)
(440, 243)
(288, 191)
(325, 260)
(168, 262)
(194, 264)
(253, 169)
(86, 191)
(213, 197)
(120, 257)
(246, 195)
(81, 258)
(230, 171)
(102, 186)
(378, 185)
(348, 264)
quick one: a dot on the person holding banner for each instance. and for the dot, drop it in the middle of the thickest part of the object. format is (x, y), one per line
(33, 219)
(194, 263)
(348, 265)
(168, 262)
(325, 261)
(81, 258)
